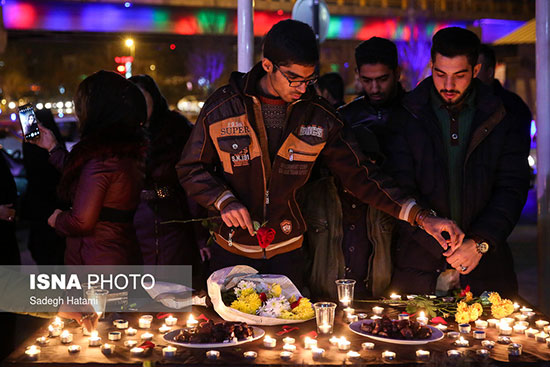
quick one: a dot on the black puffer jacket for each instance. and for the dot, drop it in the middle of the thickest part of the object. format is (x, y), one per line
(495, 185)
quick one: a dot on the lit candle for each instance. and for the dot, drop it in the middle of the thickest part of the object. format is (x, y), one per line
(547, 329)
(395, 297)
(58, 323)
(137, 352)
(362, 316)
(515, 349)
(343, 344)
(353, 355)
(95, 340)
(541, 324)
(147, 336)
(524, 323)
(493, 322)
(403, 316)
(453, 353)
(411, 296)
(520, 329)
(130, 331)
(453, 334)
(531, 332)
(310, 343)
(351, 318)
(508, 320)
(269, 342)
(120, 324)
(367, 346)
(85, 331)
(461, 342)
(345, 301)
(171, 320)
(378, 310)
(145, 321)
(317, 353)
(349, 311)
(334, 340)
(441, 327)
(250, 355)
(375, 317)
(191, 322)
(108, 349)
(286, 355)
(130, 343)
(164, 329)
(516, 306)
(169, 351)
(480, 334)
(115, 335)
(503, 339)
(541, 337)
(325, 328)
(481, 324)
(548, 342)
(73, 348)
(505, 329)
(524, 310)
(530, 314)
(66, 337)
(289, 340)
(521, 317)
(54, 331)
(465, 328)
(422, 354)
(42, 341)
(33, 352)
(422, 319)
(388, 355)
(213, 354)
(289, 347)
(489, 344)
(482, 353)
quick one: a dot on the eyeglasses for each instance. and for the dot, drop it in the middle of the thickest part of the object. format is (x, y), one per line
(296, 83)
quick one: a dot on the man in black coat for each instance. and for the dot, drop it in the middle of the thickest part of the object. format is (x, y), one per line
(459, 151)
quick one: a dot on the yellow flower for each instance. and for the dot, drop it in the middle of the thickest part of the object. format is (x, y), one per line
(502, 309)
(479, 308)
(473, 313)
(469, 297)
(494, 297)
(248, 303)
(276, 290)
(303, 311)
(462, 317)
(462, 307)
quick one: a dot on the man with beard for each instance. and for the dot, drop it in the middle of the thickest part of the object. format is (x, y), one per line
(456, 148)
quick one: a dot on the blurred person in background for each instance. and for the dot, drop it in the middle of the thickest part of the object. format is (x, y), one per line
(163, 198)
(103, 174)
(330, 86)
(40, 199)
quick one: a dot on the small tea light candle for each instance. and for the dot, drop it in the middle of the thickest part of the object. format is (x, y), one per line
(524, 310)
(53, 331)
(58, 323)
(453, 334)
(269, 342)
(33, 352)
(503, 339)
(377, 310)
(73, 348)
(213, 354)
(548, 342)
(367, 346)
(145, 321)
(461, 342)
(516, 306)
(441, 327)
(388, 355)
(115, 335)
(325, 328)
(431, 296)
(480, 334)
(164, 329)
(351, 318)
(362, 316)
(453, 353)
(521, 317)
(422, 319)
(137, 352)
(482, 353)
(547, 329)
(120, 324)
(531, 332)
(191, 322)
(345, 301)
(289, 340)
(520, 329)
(317, 353)
(530, 314)
(515, 349)
(488, 344)
(353, 355)
(349, 311)
(481, 324)
(286, 355)
(130, 331)
(95, 340)
(403, 316)
(465, 328)
(108, 349)
(289, 347)
(310, 343)
(493, 322)
(541, 324)
(130, 343)
(42, 341)
(66, 337)
(343, 344)
(508, 320)
(375, 317)
(169, 351)
(147, 336)
(505, 329)
(395, 297)
(541, 337)
(171, 320)
(422, 354)
(411, 296)
(334, 340)
(250, 355)
(524, 323)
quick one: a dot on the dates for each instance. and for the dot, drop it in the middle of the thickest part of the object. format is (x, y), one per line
(402, 329)
(209, 332)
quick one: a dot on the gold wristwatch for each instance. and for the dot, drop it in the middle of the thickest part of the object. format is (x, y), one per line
(482, 247)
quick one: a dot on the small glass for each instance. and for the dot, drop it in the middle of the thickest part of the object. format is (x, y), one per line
(98, 300)
(324, 315)
(345, 291)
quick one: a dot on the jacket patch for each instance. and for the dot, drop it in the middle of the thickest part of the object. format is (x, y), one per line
(286, 226)
(241, 158)
(311, 130)
(234, 128)
(294, 169)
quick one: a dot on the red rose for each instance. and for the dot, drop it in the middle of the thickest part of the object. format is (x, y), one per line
(464, 291)
(293, 305)
(265, 236)
(263, 297)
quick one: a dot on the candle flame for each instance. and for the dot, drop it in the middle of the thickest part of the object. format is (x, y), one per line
(65, 333)
(191, 318)
(94, 334)
(422, 314)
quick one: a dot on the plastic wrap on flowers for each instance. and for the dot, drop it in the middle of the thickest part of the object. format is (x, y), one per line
(280, 293)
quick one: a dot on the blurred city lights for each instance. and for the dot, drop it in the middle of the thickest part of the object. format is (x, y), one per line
(4, 101)
(531, 161)
(129, 42)
(13, 117)
(62, 89)
(127, 4)
(48, 105)
(172, 46)
(69, 110)
(39, 106)
(68, 104)
(121, 69)
(152, 67)
(60, 114)
(0, 111)
(59, 105)
(11, 105)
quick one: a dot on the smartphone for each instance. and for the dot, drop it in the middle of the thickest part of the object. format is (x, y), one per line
(29, 123)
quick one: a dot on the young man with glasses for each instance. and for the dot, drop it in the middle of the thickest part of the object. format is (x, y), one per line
(255, 143)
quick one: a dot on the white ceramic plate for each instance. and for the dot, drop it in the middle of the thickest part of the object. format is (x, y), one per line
(171, 336)
(356, 328)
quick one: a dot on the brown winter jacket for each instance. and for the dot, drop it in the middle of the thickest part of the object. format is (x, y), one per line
(227, 158)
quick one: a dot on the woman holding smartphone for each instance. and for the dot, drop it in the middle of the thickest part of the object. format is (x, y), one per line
(102, 175)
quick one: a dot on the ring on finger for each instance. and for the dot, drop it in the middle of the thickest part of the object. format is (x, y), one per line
(463, 268)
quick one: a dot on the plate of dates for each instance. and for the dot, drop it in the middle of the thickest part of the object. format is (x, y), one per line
(397, 331)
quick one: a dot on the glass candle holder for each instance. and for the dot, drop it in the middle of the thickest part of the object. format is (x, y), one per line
(120, 324)
(388, 355)
(145, 321)
(324, 316)
(481, 324)
(367, 346)
(422, 354)
(345, 291)
(169, 351)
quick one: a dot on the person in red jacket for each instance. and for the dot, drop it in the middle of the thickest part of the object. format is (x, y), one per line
(102, 175)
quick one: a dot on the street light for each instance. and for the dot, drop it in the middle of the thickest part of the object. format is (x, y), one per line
(129, 42)
(132, 46)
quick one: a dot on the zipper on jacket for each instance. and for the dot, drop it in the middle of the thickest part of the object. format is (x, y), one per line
(292, 151)
(266, 197)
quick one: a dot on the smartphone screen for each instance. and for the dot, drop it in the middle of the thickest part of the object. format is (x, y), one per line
(29, 123)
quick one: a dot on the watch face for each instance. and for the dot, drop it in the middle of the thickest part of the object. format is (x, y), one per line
(483, 247)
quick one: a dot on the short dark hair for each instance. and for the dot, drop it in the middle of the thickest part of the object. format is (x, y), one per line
(291, 42)
(376, 50)
(456, 41)
(334, 83)
(489, 55)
